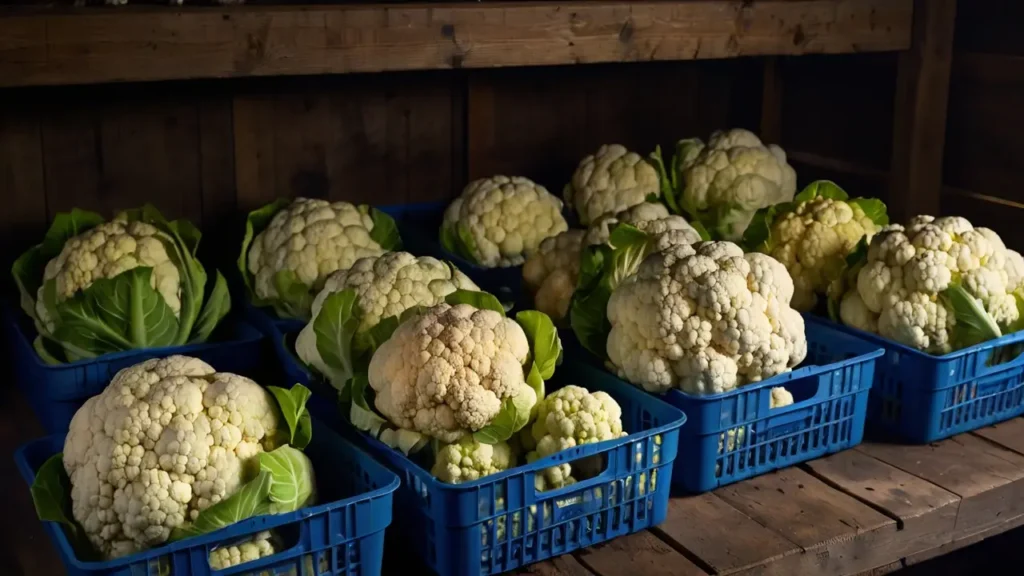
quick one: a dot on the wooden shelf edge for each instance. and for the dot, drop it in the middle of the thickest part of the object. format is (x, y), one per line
(160, 43)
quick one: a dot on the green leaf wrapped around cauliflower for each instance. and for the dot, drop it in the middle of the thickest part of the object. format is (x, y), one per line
(813, 235)
(384, 286)
(469, 459)
(291, 247)
(610, 181)
(171, 448)
(259, 546)
(455, 370)
(722, 184)
(551, 273)
(96, 287)
(704, 319)
(500, 221)
(938, 285)
(569, 417)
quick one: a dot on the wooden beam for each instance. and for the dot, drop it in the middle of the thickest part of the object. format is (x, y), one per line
(160, 43)
(922, 94)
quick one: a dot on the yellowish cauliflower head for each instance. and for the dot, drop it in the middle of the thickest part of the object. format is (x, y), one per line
(897, 290)
(467, 460)
(445, 373)
(705, 319)
(260, 545)
(106, 251)
(386, 285)
(609, 182)
(507, 219)
(813, 242)
(312, 238)
(165, 439)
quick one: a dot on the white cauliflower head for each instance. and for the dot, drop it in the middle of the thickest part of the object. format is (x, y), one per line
(705, 319)
(311, 238)
(105, 251)
(445, 373)
(385, 285)
(468, 459)
(500, 221)
(609, 182)
(165, 439)
(899, 290)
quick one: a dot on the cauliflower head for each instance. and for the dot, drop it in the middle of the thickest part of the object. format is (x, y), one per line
(500, 221)
(704, 318)
(259, 546)
(165, 439)
(446, 372)
(312, 239)
(467, 459)
(385, 285)
(900, 289)
(571, 416)
(610, 181)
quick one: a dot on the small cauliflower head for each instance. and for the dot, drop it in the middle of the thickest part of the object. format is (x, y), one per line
(813, 241)
(165, 439)
(385, 285)
(735, 168)
(259, 546)
(445, 372)
(571, 416)
(467, 460)
(704, 318)
(312, 238)
(506, 219)
(610, 181)
(897, 293)
(650, 217)
(104, 252)
(550, 273)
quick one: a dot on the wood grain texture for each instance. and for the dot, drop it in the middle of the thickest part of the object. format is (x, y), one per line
(142, 44)
(22, 181)
(1009, 434)
(564, 565)
(640, 553)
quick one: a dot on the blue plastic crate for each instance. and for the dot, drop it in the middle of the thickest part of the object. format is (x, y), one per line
(922, 398)
(734, 435)
(344, 536)
(57, 392)
(500, 522)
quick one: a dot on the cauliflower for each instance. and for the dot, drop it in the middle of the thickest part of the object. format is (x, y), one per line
(813, 235)
(384, 286)
(723, 183)
(609, 182)
(937, 285)
(303, 243)
(165, 440)
(570, 417)
(705, 319)
(468, 459)
(500, 221)
(259, 546)
(446, 372)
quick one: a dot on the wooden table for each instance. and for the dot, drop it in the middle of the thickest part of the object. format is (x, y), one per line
(870, 510)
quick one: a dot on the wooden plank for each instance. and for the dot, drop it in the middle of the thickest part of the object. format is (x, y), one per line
(989, 479)
(564, 565)
(771, 101)
(722, 537)
(640, 553)
(141, 44)
(922, 93)
(71, 157)
(1009, 434)
(22, 183)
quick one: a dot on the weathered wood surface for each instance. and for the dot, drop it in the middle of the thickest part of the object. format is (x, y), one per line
(159, 43)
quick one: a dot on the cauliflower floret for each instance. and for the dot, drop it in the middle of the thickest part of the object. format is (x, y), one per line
(704, 318)
(312, 238)
(385, 286)
(104, 252)
(609, 182)
(550, 274)
(507, 219)
(570, 417)
(165, 439)
(259, 546)
(467, 460)
(445, 373)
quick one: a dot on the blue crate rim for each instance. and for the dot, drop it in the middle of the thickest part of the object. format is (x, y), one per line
(264, 522)
(14, 317)
(1011, 338)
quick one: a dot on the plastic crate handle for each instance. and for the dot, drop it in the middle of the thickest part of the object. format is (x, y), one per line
(989, 348)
